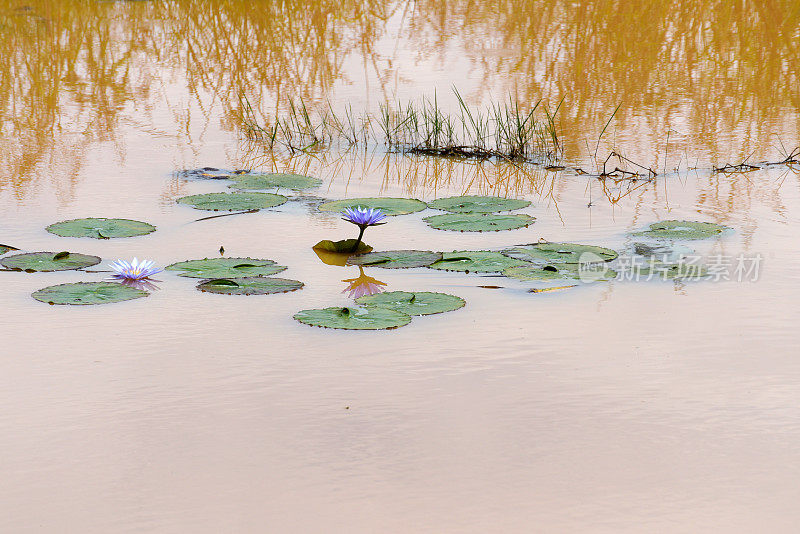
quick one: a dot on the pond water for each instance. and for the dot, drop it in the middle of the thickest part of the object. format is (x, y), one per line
(619, 406)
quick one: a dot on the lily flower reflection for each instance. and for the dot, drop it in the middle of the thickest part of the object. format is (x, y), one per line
(145, 285)
(363, 285)
(363, 218)
(133, 270)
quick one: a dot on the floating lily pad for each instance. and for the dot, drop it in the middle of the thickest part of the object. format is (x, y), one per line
(354, 318)
(417, 303)
(6, 248)
(478, 204)
(226, 268)
(477, 222)
(661, 252)
(86, 293)
(254, 285)
(396, 259)
(682, 230)
(210, 173)
(389, 206)
(273, 180)
(561, 253)
(345, 246)
(478, 261)
(233, 201)
(100, 228)
(561, 272)
(655, 270)
(48, 261)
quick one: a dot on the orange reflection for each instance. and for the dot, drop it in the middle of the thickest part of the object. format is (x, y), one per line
(363, 285)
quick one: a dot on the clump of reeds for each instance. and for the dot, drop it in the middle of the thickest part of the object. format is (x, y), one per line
(502, 130)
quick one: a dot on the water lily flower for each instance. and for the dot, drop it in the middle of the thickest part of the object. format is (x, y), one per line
(133, 270)
(363, 218)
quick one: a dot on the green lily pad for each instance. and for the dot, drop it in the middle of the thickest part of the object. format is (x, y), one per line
(345, 246)
(48, 261)
(100, 228)
(396, 259)
(389, 206)
(477, 222)
(478, 204)
(655, 270)
(254, 285)
(233, 201)
(6, 248)
(226, 268)
(561, 253)
(210, 173)
(478, 261)
(86, 293)
(273, 180)
(561, 272)
(354, 318)
(417, 303)
(682, 230)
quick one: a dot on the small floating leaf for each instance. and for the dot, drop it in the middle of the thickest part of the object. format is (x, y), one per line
(389, 206)
(476, 222)
(233, 201)
(86, 293)
(100, 228)
(396, 259)
(208, 173)
(255, 285)
(417, 303)
(345, 246)
(226, 268)
(478, 204)
(6, 248)
(561, 253)
(274, 180)
(682, 230)
(479, 261)
(48, 261)
(354, 318)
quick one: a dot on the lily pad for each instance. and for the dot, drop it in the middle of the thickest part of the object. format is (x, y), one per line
(86, 293)
(389, 206)
(478, 261)
(477, 222)
(354, 318)
(226, 268)
(273, 180)
(560, 272)
(48, 261)
(345, 246)
(561, 253)
(478, 204)
(233, 201)
(6, 248)
(417, 303)
(682, 230)
(100, 228)
(396, 259)
(655, 270)
(210, 173)
(254, 285)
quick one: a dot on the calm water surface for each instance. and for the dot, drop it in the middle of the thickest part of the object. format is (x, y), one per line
(613, 407)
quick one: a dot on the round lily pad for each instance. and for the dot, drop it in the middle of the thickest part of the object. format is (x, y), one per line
(682, 230)
(354, 318)
(417, 303)
(389, 206)
(478, 261)
(254, 285)
(561, 253)
(49, 261)
(86, 293)
(396, 259)
(226, 268)
(273, 180)
(560, 272)
(478, 204)
(100, 228)
(477, 222)
(233, 201)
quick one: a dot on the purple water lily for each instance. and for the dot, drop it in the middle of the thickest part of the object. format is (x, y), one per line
(133, 270)
(363, 218)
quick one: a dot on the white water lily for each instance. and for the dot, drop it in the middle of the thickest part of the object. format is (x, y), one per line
(133, 270)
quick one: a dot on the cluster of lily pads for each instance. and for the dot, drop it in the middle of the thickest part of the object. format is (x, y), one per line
(542, 263)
